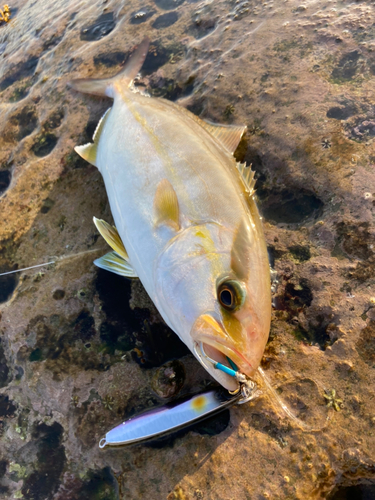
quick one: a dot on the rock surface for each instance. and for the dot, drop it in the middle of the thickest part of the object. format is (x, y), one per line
(81, 349)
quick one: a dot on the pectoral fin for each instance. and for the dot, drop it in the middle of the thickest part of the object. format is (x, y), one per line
(111, 236)
(166, 205)
(113, 262)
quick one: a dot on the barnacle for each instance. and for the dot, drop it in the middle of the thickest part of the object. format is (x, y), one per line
(332, 400)
(326, 144)
(5, 13)
(108, 402)
(74, 400)
(229, 110)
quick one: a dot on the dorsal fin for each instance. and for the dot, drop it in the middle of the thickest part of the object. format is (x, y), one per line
(106, 86)
(88, 151)
(247, 176)
(111, 236)
(166, 205)
(228, 135)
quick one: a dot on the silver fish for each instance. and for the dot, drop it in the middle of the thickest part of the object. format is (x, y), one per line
(187, 223)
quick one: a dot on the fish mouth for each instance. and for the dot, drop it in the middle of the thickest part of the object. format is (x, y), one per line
(213, 345)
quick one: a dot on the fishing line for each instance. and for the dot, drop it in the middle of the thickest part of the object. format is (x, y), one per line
(280, 403)
(57, 259)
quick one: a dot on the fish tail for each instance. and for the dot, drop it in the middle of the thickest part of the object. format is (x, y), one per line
(106, 86)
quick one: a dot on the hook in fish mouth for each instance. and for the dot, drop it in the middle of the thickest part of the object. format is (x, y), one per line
(247, 386)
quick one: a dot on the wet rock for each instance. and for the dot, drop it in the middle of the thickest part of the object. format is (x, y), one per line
(290, 206)
(45, 480)
(99, 485)
(356, 239)
(298, 295)
(60, 343)
(140, 402)
(214, 425)
(141, 16)
(58, 294)
(263, 424)
(168, 4)
(19, 372)
(7, 407)
(168, 88)
(197, 106)
(44, 144)
(364, 270)
(360, 490)
(363, 129)
(3, 487)
(341, 112)
(8, 283)
(156, 343)
(26, 120)
(303, 398)
(168, 379)
(110, 59)
(300, 252)
(202, 25)
(152, 353)
(5, 375)
(242, 10)
(115, 338)
(322, 330)
(114, 293)
(52, 41)
(366, 344)
(54, 120)
(165, 20)
(19, 72)
(78, 363)
(159, 55)
(5, 178)
(100, 28)
(347, 67)
(47, 205)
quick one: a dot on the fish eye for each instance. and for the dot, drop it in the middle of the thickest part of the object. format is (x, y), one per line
(230, 295)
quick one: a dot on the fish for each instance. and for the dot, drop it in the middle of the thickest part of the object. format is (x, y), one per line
(186, 221)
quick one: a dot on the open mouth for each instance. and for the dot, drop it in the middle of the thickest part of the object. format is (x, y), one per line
(222, 353)
(231, 377)
(216, 349)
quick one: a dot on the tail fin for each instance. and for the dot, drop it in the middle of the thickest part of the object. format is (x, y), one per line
(105, 86)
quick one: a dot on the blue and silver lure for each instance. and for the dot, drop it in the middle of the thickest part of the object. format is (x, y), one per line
(157, 423)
